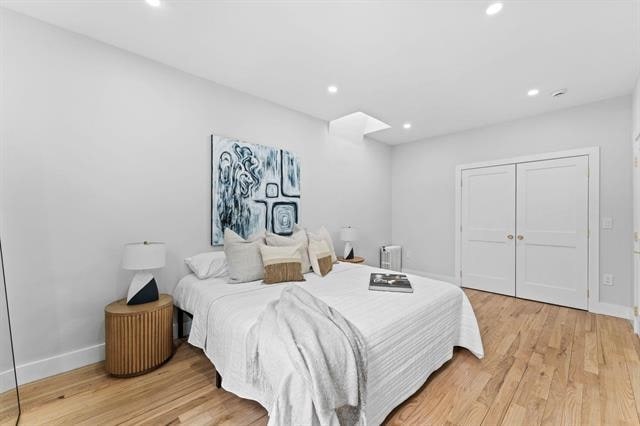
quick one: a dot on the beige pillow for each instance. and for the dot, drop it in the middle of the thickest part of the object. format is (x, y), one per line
(323, 235)
(281, 264)
(244, 259)
(298, 238)
(320, 255)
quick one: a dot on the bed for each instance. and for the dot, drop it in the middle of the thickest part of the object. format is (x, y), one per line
(408, 335)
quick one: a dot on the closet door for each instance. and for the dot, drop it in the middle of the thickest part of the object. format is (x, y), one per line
(488, 224)
(552, 231)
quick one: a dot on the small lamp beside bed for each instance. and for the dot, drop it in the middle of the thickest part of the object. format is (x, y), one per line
(143, 257)
(348, 235)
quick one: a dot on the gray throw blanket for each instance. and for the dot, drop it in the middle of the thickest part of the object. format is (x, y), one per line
(309, 361)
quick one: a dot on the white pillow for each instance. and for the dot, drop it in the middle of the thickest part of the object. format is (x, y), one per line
(323, 235)
(208, 265)
(243, 256)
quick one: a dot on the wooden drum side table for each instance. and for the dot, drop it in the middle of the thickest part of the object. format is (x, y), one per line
(138, 338)
(356, 259)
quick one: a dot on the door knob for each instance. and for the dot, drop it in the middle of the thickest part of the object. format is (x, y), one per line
(520, 237)
(510, 237)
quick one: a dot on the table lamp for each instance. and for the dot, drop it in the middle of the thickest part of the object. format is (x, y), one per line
(348, 235)
(142, 257)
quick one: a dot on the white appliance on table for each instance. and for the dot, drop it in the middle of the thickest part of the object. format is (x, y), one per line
(391, 258)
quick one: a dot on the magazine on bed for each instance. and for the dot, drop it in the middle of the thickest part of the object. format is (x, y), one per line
(390, 282)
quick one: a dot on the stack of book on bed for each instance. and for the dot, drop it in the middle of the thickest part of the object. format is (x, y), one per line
(390, 282)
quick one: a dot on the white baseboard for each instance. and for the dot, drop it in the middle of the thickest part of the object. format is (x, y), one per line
(7, 380)
(445, 278)
(603, 308)
(57, 364)
(41, 369)
(611, 310)
(62, 363)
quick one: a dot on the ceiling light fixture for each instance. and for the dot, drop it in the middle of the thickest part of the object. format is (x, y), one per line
(406, 125)
(494, 8)
(332, 89)
(559, 92)
(154, 3)
(533, 92)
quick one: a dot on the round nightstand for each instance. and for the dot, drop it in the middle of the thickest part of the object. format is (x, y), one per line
(356, 259)
(138, 338)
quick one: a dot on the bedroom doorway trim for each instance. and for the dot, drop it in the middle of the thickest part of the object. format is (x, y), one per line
(593, 154)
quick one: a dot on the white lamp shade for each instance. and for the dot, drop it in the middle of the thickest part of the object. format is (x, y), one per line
(143, 256)
(349, 234)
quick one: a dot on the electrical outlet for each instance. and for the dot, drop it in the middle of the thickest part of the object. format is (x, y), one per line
(607, 223)
(607, 279)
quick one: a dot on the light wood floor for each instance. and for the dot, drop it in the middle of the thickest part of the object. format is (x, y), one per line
(544, 364)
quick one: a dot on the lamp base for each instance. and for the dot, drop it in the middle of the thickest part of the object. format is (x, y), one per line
(348, 251)
(143, 289)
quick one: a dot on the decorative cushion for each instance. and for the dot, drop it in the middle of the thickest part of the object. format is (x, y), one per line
(244, 259)
(211, 264)
(323, 235)
(298, 238)
(320, 255)
(281, 264)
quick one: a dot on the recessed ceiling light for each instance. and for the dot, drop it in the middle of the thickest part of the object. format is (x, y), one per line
(332, 89)
(154, 3)
(533, 92)
(407, 125)
(494, 8)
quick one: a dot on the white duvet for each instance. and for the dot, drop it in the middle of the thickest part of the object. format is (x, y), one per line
(407, 335)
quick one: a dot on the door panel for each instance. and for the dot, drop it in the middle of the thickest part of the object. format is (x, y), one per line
(488, 219)
(552, 226)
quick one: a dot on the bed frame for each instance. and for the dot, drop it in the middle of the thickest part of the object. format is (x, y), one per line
(181, 335)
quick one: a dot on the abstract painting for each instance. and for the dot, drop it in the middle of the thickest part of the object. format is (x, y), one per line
(253, 188)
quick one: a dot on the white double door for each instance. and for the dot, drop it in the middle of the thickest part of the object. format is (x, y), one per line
(525, 230)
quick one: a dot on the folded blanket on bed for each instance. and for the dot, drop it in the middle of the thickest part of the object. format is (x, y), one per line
(310, 359)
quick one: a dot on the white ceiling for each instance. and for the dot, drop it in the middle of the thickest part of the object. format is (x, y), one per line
(444, 66)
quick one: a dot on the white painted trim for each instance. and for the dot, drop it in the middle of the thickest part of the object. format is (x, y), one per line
(534, 157)
(458, 217)
(445, 278)
(593, 154)
(6, 380)
(611, 310)
(61, 363)
(594, 229)
(636, 229)
(602, 308)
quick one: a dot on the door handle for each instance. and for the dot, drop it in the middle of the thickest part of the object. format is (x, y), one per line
(510, 237)
(520, 237)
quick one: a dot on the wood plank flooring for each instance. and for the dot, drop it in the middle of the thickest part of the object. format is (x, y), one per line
(544, 365)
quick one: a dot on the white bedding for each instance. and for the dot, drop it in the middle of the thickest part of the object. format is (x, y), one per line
(408, 335)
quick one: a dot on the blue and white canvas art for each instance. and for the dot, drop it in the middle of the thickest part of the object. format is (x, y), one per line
(253, 187)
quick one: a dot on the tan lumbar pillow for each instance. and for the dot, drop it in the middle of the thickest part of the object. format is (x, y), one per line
(323, 235)
(320, 256)
(298, 238)
(281, 264)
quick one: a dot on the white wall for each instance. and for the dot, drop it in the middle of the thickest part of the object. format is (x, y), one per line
(423, 183)
(100, 147)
